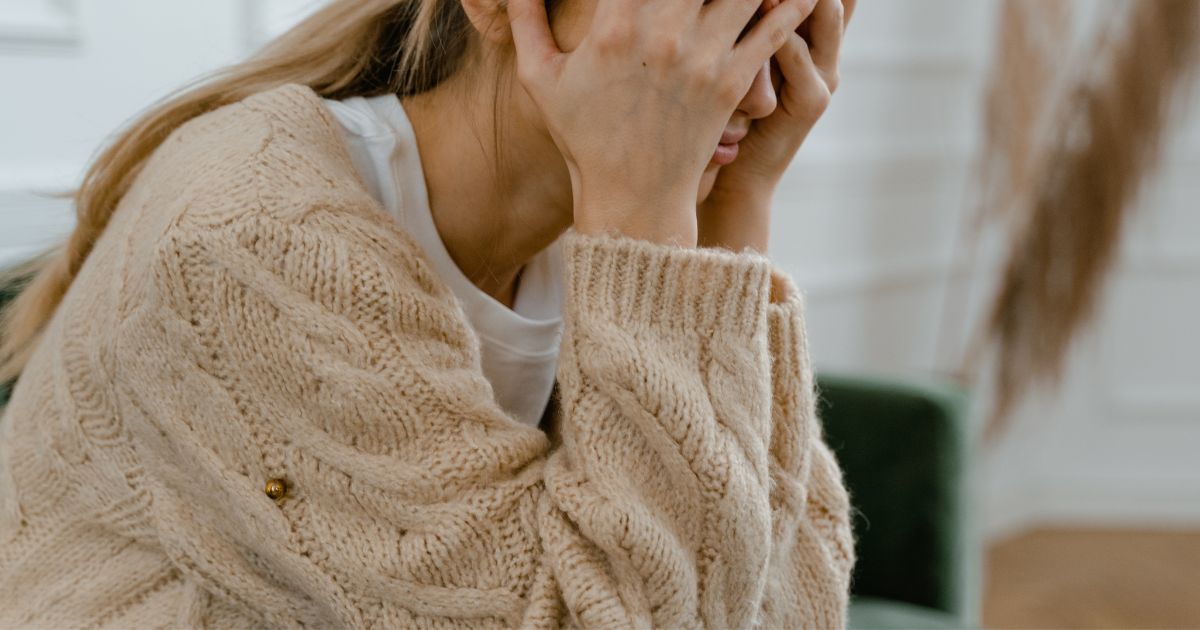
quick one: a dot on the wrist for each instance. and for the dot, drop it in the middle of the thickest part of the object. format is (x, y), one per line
(664, 221)
(735, 222)
(664, 217)
(758, 190)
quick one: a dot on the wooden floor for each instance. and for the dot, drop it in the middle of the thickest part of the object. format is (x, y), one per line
(1094, 579)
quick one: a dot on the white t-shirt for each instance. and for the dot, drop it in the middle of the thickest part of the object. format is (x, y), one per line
(519, 346)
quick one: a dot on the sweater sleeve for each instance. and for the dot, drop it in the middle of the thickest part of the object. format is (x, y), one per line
(813, 551)
(322, 354)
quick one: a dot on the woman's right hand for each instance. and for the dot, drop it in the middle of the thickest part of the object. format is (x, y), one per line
(639, 106)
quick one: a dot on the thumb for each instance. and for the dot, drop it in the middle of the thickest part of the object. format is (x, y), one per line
(532, 38)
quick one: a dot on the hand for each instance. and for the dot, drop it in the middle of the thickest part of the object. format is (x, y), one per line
(637, 107)
(736, 215)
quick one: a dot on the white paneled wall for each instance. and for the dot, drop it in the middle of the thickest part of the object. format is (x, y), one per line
(871, 223)
(63, 95)
(46, 24)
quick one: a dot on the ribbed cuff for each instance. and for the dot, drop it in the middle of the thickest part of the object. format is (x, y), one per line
(638, 284)
(785, 325)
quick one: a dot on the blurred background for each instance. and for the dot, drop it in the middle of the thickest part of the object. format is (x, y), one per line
(1084, 512)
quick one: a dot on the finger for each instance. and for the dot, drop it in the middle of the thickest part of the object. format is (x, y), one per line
(771, 33)
(795, 61)
(799, 71)
(619, 10)
(531, 33)
(777, 77)
(726, 19)
(674, 13)
(826, 27)
(848, 6)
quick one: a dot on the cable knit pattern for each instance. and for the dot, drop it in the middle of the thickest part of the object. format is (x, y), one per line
(252, 314)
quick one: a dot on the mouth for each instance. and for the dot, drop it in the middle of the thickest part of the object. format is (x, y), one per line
(727, 150)
(725, 154)
(733, 136)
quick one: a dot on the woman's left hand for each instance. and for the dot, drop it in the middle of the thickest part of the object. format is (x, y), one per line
(736, 214)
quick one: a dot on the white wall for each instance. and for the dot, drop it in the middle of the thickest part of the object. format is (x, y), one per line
(871, 223)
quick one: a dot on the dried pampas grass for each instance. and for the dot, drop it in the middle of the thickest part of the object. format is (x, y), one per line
(1066, 155)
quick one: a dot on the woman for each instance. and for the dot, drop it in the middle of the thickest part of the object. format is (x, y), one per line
(289, 385)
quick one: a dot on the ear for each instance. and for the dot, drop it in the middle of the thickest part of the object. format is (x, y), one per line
(490, 18)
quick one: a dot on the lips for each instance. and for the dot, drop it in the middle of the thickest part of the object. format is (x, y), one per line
(727, 150)
(732, 137)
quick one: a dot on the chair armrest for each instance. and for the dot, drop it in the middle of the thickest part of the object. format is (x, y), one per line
(902, 447)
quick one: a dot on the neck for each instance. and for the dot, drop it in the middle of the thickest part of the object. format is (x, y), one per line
(493, 212)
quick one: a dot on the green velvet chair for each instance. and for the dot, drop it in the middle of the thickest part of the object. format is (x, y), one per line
(903, 449)
(8, 290)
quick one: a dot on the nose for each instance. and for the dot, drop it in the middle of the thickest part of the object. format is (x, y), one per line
(760, 101)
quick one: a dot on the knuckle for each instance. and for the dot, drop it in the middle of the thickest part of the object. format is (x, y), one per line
(527, 74)
(705, 72)
(613, 38)
(777, 37)
(818, 103)
(833, 80)
(795, 57)
(666, 48)
(530, 71)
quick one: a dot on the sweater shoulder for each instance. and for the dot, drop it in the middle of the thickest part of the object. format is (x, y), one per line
(277, 154)
(271, 168)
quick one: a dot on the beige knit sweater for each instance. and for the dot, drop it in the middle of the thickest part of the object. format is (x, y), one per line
(251, 314)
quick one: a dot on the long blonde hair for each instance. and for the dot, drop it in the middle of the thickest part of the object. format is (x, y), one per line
(349, 48)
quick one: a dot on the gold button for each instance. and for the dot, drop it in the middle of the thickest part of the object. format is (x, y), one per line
(276, 488)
